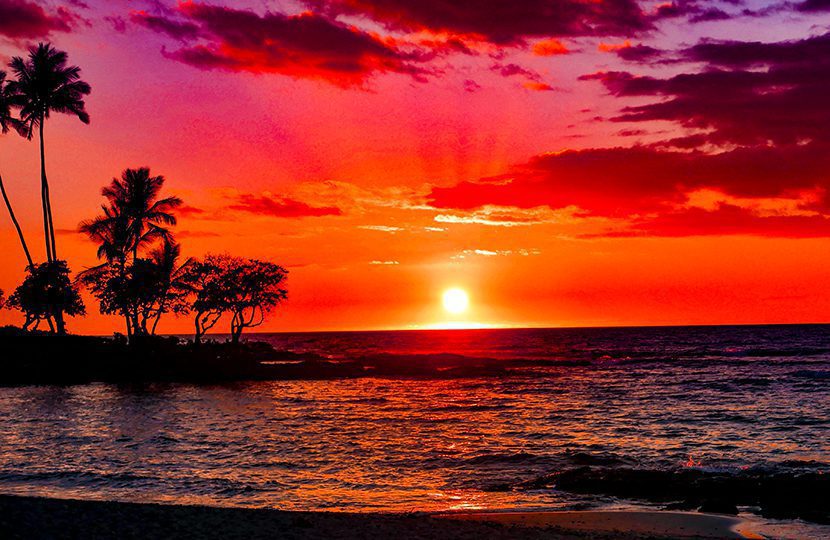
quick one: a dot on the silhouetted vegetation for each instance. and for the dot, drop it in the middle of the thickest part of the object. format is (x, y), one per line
(142, 275)
(43, 84)
(135, 219)
(7, 121)
(247, 289)
(46, 294)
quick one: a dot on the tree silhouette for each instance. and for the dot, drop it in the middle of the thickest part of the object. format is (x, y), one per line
(134, 218)
(206, 281)
(45, 84)
(247, 289)
(164, 277)
(6, 122)
(255, 291)
(47, 294)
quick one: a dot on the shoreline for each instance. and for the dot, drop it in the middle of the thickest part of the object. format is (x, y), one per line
(39, 517)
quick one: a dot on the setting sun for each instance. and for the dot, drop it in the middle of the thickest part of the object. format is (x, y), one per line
(456, 300)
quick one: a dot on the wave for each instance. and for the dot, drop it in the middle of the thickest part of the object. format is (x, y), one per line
(811, 374)
(73, 477)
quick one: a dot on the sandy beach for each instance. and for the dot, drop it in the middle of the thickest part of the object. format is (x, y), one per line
(31, 518)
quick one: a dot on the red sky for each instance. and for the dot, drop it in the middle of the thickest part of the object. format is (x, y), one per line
(567, 162)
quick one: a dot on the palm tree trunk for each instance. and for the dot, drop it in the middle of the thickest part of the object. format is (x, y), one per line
(48, 225)
(16, 224)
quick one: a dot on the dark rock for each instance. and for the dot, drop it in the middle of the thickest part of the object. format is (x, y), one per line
(719, 506)
(783, 495)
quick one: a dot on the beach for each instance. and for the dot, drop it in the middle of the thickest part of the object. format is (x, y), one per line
(32, 518)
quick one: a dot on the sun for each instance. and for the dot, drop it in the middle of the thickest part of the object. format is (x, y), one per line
(456, 300)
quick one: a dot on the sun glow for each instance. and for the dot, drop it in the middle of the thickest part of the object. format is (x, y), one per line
(456, 300)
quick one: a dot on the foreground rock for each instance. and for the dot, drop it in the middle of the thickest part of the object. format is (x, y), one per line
(777, 494)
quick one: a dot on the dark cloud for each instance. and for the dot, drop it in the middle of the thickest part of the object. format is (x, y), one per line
(181, 30)
(502, 22)
(532, 80)
(622, 182)
(725, 219)
(511, 70)
(186, 210)
(747, 93)
(22, 19)
(266, 205)
(302, 46)
(471, 86)
(814, 6)
(711, 14)
(118, 23)
(697, 11)
(639, 53)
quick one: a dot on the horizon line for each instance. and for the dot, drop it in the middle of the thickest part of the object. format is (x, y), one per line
(500, 328)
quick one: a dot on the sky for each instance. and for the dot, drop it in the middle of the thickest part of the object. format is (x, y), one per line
(564, 162)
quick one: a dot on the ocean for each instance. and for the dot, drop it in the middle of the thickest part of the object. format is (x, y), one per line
(726, 400)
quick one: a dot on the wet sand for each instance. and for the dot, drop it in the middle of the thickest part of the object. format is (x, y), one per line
(659, 524)
(34, 518)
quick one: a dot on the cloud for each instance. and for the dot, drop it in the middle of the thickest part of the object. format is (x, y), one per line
(268, 205)
(304, 46)
(779, 191)
(549, 47)
(500, 22)
(631, 132)
(22, 19)
(494, 215)
(632, 53)
(496, 253)
(532, 80)
(812, 6)
(538, 86)
(187, 210)
(746, 93)
(197, 234)
(381, 228)
(384, 263)
(697, 11)
(471, 86)
(181, 30)
(726, 220)
(754, 129)
(118, 23)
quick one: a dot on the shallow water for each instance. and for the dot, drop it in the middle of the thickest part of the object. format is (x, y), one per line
(725, 398)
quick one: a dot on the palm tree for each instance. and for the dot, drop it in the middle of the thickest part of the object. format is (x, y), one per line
(135, 195)
(134, 218)
(111, 232)
(45, 84)
(7, 121)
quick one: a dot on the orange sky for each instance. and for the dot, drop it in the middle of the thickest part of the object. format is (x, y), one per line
(618, 163)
